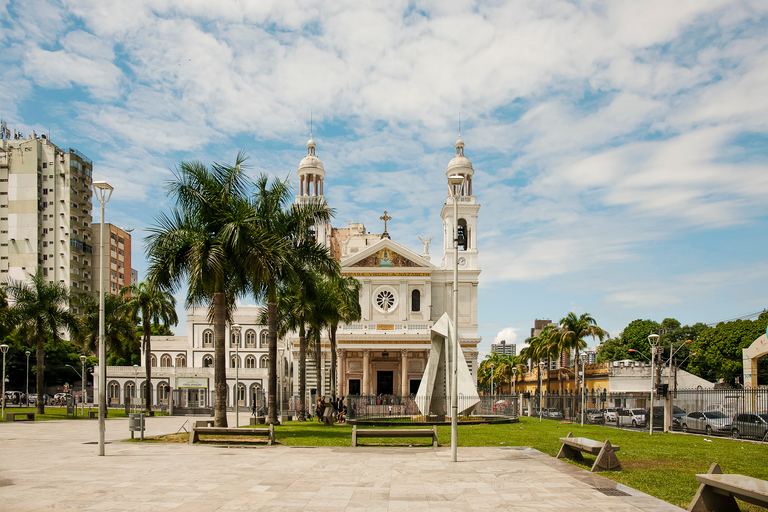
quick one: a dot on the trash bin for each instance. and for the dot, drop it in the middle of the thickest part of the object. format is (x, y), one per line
(136, 424)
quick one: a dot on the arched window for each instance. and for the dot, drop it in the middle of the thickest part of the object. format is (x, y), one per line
(250, 338)
(263, 343)
(114, 393)
(162, 391)
(130, 390)
(166, 361)
(181, 361)
(234, 362)
(153, 361)
(234, 339)
(241, 394)
(207, 338)
(250, 362)
(207, 361)
(264, 362)
(415, 300)
(463, 235)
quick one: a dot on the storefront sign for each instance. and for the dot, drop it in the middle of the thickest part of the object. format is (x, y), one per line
(192, 382)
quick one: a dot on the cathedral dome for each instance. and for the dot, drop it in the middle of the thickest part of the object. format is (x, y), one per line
(310, 164)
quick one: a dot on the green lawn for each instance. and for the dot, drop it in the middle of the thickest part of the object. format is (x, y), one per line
(662, 465)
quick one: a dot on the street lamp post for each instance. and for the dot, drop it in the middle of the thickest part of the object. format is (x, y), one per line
(26, 395)
(541, 389)
(103, 192)
(653, 339)
(668, 420)
(4, 349)
(135, 383)
(236, 333)
(454, 182)
(280, 351)
(514, 395)
(583, 381)
(493, 397)
(83, 390)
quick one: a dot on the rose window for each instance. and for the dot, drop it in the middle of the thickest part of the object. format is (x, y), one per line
(385, 300)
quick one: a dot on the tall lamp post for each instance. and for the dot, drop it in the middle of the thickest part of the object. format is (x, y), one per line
(668, 421)
(103, 192)
(135, 382)
(493, 397)
(83, 390)
(26, 395)
(653, 339)
(236, 334)
(541, 389)
(514, 395)
(280, 351)
(4, 349)
(583, 381)
(454, 182)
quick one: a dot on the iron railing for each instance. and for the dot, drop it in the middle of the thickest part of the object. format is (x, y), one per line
(428, 409)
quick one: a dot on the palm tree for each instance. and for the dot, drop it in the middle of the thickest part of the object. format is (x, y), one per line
(339, 302)
(292, 223)
(119, 326)
(211, 239)
(41, 312)
(572, 332)
(154, 305)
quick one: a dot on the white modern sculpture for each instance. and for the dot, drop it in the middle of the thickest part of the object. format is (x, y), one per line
(434, 389)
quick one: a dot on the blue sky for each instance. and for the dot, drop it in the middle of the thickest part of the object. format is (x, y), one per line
(620, 148)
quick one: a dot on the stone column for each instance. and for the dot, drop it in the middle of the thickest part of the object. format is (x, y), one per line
(301, 185)
(314, 182)
(340, 373)
(365, 301)
(366, 373)
(404, 388)
(321, 185)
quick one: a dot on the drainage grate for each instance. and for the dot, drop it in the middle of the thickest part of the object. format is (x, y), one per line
(96, 442)
(612, 492)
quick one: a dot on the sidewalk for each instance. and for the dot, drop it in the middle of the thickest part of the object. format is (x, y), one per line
(53, 465)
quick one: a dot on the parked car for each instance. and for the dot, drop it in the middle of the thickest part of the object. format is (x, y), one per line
(595, 416)
(658, 415)
(12, 397)
(633, 417)
(552, 413)
(610, 414)
(709, 422)
(749, 424)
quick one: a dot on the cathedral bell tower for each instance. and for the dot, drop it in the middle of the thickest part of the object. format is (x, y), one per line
(311, 177)
(468, 208)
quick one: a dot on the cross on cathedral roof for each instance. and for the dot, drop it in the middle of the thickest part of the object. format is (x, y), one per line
(385, 218)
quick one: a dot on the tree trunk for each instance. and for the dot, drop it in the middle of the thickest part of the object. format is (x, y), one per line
(219, 363)
(147, 360)
(272, 369)
(40, 373)
(332, 336)
(302, 372)
(317, 354)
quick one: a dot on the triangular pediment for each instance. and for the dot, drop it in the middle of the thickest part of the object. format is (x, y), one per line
(386, 254)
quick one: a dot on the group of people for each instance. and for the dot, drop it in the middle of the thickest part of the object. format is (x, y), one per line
(339, 409)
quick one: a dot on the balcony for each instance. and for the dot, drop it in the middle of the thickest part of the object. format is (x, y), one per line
(162, 372)
(393, 328)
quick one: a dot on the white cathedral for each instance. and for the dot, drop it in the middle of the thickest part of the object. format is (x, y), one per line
(403, 295)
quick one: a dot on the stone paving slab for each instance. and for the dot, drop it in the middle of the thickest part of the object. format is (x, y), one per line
(54, 466)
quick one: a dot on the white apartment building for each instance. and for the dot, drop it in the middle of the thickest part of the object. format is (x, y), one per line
(45, 212)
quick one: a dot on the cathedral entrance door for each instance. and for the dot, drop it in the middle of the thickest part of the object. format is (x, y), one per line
(384, 383)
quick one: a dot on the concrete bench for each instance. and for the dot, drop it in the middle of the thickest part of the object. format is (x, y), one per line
(717, 491)
(24, 416)
(392, 432)
(269, 433)
(606, 453)
(204, 423)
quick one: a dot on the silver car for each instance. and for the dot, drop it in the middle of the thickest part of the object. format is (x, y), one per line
(633, 417)
(709, 422)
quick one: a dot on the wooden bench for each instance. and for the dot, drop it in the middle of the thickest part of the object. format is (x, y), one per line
(27, 416)
(606, 453)
(391, 432)
(717, 491)
(269, 433)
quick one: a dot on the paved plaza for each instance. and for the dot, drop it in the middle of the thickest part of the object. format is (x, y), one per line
(53, 465)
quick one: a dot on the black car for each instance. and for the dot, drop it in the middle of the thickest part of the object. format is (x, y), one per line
(658, 416)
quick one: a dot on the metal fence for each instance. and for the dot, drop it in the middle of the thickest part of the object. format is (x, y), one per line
(429, 409)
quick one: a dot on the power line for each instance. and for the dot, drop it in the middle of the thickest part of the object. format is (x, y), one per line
(748, 316)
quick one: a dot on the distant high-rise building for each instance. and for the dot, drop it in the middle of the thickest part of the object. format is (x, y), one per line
(590, 356)
(117, 260)
(538, 326)
(503, 348)
(45, 212)
(134, 277)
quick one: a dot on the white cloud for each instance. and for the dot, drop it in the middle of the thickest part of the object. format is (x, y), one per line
(508, 335)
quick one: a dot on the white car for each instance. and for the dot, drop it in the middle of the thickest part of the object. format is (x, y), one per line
(631, 417)
(610, 414)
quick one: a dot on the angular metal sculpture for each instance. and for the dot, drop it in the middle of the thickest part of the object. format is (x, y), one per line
(434, 390)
